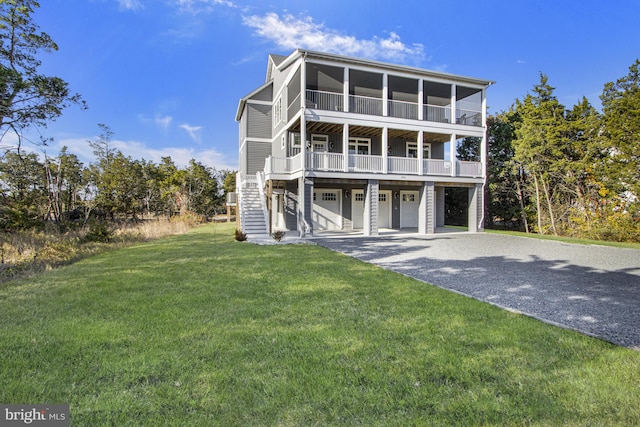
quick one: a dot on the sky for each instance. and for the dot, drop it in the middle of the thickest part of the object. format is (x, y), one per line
(167, 75)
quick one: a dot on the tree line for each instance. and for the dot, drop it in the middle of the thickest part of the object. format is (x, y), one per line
(62, 189)
(573, 172)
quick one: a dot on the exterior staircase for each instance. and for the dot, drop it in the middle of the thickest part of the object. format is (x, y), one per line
(252, 216)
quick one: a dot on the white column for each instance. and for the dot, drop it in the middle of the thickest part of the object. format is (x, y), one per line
(385, 150)
(371, 206)
(420, 153)
(345, 146)
(345, 90)
(483, 142)
(420, 99)
(385, 94)
(454, 114)
(303, 121)
(453, 154)
(426, 217)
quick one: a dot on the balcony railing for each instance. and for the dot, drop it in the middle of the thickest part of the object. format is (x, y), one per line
(365, 105)
(361, 163)
(365, 163)
(437, 113)
(468, 117)
(321, 100)
(333, 101)
(402, 109)
(406, 165)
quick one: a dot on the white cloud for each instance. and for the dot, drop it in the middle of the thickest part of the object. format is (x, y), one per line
(163, 122)
(292, 32)
(193, 131)
(130, 4)
(200, 6)
(138, 151)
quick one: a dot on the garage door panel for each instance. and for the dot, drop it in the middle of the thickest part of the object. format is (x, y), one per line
(327, 210)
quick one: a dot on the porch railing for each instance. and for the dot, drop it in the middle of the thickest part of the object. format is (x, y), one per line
(471, 169)
(403, 109)
(468, 117)
(437, 113)
(325, 161)
(334, 162)
(365, 163)
(365, 105)
(436, 167)
(407, 165)
(323, 100)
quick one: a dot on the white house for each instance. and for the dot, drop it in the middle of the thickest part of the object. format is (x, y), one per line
(330, 142)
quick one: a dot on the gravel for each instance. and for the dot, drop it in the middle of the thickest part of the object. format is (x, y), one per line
(592, 289)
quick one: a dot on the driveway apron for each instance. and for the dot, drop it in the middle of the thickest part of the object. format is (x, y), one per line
(588, 288)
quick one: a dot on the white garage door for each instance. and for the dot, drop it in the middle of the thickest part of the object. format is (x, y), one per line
(409, 203)
(384, 209)
(326, 210)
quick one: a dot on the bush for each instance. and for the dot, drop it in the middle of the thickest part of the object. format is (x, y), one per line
(98, 232)
(278, 235)
(240, 236)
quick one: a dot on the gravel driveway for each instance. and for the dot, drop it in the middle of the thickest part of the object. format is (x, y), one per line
(592, 289)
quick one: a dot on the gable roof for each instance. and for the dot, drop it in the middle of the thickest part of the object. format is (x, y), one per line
(243, 100)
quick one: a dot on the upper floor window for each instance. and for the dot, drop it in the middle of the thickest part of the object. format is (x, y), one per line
(277, 112)
(359, 146)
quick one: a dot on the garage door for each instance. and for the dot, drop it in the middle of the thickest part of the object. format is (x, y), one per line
(409, 209)
(326, 210)
(384, 209)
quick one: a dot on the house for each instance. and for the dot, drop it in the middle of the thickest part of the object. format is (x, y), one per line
(330, 142)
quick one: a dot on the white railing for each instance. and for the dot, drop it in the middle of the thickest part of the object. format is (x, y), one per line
(325, 100)
(325, 161)
(403, 109)
(283, 165)
(260, 180)
(407, 165)
(437, 113)
(365, 163)
(365, 105)
(436, 167)
(468, 117)
(472, 169)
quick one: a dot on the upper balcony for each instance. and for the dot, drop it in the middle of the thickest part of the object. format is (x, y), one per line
(331, 88)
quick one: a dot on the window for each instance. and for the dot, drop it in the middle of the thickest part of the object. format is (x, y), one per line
(329, 197)
(412, 150)
(319, 143)
(277, 112)
(408, 197)
(382, 197)
(359, 146)
(359, 197)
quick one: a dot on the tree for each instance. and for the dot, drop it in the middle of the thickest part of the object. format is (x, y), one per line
(538, 146)
(621, 133)
(23, 191)
(27, 97)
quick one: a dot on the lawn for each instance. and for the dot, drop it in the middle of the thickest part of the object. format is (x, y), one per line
(199, 329)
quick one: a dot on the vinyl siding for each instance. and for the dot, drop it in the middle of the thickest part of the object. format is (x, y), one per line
(257, 152)
(259, 117)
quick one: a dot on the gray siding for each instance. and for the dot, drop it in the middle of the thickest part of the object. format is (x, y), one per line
(259, 117)
(265, 94)
(257, 152)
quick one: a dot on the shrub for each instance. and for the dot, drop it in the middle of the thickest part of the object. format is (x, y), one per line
(240, 236)
(278, 235)
(98, 232)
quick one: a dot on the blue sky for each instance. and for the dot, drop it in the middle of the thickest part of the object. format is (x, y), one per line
(167, 75)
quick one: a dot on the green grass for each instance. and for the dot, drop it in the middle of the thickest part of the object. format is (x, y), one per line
(199, 329)
(567, 239)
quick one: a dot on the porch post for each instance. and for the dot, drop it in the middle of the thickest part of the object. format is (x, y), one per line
(473, 209)
(452, 154)
(303, 120)
(345, 90)
(420, 99)
(420, 153)
(385, 95)
(371, 202)
(305, 206)
(385, 150)
(440, 193)
(345, 146)
(426, 217)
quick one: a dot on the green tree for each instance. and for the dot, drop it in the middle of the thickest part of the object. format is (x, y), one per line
(621, 134)
(538, 146)
(27, 97)
(23, 191)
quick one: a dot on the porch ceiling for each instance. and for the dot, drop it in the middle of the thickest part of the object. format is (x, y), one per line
(368, 132)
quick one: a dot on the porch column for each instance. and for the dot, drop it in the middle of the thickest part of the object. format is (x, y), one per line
(420, 99)
(305, 206)
(440, 192)
(345, 146)
(385, 95)
(420, 153)
(426, 217)
(454, 114)
(483, 142)
(345, 90)
(453, 154)
(371, 202)
(476, 208)
(385, 150)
